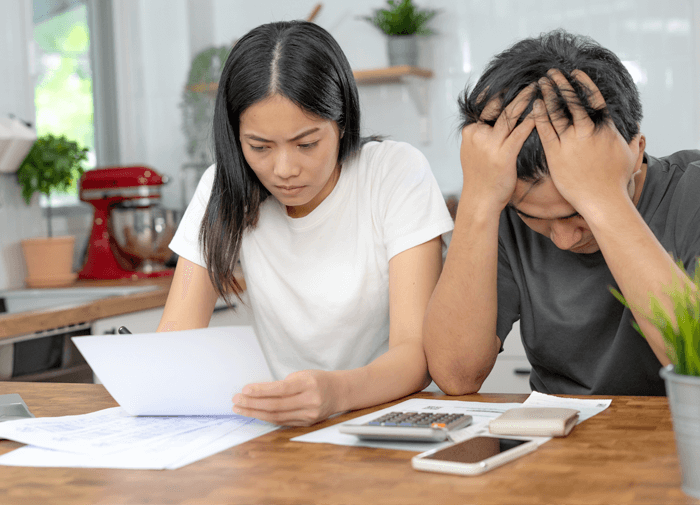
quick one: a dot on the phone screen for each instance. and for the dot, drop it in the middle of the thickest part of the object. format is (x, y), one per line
(475, 449)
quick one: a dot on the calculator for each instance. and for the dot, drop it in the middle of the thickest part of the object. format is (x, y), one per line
(408, 426)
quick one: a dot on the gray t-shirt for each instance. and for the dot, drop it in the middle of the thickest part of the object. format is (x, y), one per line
(578, 338)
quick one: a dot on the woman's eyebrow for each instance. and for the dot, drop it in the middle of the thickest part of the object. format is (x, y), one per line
(303, 134)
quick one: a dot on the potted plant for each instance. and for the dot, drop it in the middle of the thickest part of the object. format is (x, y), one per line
(402, 21)
(53, 164)
(681, 333)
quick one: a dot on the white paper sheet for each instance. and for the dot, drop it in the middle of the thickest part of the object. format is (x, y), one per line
(482, 413)
(112, 439)
(586, 408)
(193, 372)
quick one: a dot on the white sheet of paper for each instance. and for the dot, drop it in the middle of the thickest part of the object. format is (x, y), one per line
(587, 408)
(192, 372)
(111, 438)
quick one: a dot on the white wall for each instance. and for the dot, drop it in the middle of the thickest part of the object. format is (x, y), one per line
(17, 220)
(155, 40)
(660, 37)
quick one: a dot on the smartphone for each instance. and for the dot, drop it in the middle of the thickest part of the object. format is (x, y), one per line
(473, 456)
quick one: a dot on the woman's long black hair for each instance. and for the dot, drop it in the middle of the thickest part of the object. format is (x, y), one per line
(301, 62)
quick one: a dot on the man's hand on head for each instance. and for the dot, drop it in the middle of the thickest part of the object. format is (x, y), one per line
(590, 165)
(489, 153)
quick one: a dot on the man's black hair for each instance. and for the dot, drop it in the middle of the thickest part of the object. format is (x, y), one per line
(529, 60)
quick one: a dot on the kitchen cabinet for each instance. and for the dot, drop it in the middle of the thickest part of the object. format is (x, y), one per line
(511, 373)
(45, 356)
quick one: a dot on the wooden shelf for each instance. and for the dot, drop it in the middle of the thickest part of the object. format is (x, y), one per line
(373, 76)
(205, 87)
(390, 74)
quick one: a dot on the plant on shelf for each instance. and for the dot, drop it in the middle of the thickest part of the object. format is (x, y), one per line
(402, 21)
(53, 164)
(198, 99)
(402, 18)
(679, 325)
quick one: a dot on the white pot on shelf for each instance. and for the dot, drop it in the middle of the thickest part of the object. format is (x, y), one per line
(402, 50)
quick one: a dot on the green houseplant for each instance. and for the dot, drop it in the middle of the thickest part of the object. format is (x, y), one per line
(53, 164)
(680, 329)
(402, 21)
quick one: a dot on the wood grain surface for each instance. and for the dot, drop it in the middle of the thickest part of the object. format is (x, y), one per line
(625, 455)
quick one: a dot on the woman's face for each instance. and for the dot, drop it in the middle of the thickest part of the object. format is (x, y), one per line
(294, 154)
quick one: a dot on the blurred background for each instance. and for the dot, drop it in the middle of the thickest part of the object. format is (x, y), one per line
(114, 75)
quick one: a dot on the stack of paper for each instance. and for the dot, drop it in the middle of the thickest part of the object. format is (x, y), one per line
(191, 375)
(111, 438)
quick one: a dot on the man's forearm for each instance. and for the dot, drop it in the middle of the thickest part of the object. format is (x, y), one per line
(460, 322)
(640, 265)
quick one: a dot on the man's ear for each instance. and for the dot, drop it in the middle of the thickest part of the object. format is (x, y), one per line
(639, 142)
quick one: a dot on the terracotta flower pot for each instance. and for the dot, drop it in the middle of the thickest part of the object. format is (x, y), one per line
(49, 261)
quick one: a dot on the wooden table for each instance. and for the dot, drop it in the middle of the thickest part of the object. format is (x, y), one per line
(625, 454)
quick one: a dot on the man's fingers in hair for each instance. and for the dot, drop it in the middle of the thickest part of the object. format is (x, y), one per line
(595, 97)
(510, 115)
(492, 109)
(548, 135)
(578, 112)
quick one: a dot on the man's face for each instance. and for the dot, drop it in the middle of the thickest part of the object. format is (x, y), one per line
(545, 211)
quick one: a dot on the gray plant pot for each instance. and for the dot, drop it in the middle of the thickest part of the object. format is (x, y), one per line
(402, 50)
(683, 393)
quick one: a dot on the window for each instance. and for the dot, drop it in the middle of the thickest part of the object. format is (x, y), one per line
(63, 88)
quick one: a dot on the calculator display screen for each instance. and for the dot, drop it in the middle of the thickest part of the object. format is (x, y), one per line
(475, 449)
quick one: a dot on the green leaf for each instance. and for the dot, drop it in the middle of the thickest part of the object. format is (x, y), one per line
(680, 328)
(51, 164)
(402, 18)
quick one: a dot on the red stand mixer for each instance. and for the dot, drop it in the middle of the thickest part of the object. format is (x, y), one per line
(130, 231)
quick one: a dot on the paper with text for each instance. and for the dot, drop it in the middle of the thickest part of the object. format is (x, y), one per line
(111, 438)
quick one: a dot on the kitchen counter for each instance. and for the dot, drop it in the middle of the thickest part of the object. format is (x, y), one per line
(23, 323)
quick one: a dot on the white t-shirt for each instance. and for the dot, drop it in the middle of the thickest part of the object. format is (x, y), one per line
(318, 286)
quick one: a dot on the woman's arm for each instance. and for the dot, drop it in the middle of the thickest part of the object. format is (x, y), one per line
(191, 298)
(309, 396)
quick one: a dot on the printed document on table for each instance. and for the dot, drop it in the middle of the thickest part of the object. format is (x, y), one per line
(192, 372)
(586, 408)
(111, 438)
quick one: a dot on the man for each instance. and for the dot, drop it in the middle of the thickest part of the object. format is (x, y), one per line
(559, 204)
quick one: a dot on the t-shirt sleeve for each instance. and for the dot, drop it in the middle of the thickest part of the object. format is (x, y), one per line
(686, 204)
(407, 197)
(507, 288)
(185, 243)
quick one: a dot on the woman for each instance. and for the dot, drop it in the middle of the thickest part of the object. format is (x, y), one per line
(338, 237)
